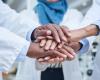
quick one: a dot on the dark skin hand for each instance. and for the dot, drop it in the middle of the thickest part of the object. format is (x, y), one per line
(56, 32)
(35, 51)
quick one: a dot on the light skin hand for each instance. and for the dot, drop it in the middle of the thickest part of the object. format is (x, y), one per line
(68, 51)
(49, 44)
(78, 34)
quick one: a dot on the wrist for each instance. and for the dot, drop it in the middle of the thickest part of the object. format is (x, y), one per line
(30, 52)
(76, 46)
(90, 30)
(97, 29)
(84, 33)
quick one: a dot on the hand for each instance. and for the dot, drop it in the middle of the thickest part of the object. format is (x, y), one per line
(36, 52)
(65, 50)
(56, 32)
(41, 31)
(75, 45)
(78, 34)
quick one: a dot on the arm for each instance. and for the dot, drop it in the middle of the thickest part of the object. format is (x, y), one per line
(10, 47)
(20, 24)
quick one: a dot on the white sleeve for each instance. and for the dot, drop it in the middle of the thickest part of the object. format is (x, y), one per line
(10, 47)
(19, 23)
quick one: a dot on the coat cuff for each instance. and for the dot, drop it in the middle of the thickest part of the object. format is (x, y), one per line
(85, 46)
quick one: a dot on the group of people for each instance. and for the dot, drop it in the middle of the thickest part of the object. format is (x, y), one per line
(44, 37)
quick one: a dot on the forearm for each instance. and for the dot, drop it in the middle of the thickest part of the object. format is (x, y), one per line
(91, 30)
(11, 46)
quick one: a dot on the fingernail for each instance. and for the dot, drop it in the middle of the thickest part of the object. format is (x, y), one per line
(47, 58)
(58, 41)
(74, 53)
(59, 46)
(51, 48)
(64, 38)
(71, 56)
(48, 32)
(41, 45)
(69, 34)
(40, 60)
(61, 59)
(65, 56)
(46, 48)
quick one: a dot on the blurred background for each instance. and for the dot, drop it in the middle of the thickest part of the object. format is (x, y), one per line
(86, 61)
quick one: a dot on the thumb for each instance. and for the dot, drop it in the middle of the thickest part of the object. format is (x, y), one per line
(43, 33)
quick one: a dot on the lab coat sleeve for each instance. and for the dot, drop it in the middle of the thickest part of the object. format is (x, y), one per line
(85, 46)
(10, 47)
(22, 23)
(19, 23)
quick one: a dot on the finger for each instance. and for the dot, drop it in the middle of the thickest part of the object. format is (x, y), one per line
(59, 54)
(53, 45)
(51, 61)
(49, 37)
(57, 60)
(66, 31)
(61, 34)
(40, 59)
(54, 32)
(61, 59)
(70, 50)
(42, 43)
(42, 33)
(66, 52)
(70, 59)
(47, 58)
(39, 38)
(61, 44)
(48, 44)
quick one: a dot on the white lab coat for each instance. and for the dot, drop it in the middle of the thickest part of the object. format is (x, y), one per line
(92, 15)
(10, 44)
(0, 76)
(10, 47)
(20, 24)
(27, 69)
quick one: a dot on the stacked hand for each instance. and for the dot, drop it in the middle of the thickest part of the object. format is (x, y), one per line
(54, 44)
(57, 43)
